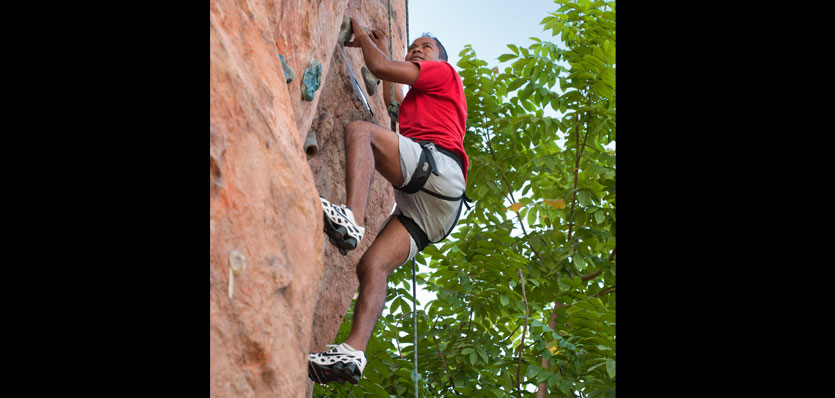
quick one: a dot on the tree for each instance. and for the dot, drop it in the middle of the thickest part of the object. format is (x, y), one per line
(526, 285)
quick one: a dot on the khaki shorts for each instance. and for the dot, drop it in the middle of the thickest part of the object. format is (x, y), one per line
(435, 216)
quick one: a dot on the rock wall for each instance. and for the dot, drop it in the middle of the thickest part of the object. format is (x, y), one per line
(279, 290)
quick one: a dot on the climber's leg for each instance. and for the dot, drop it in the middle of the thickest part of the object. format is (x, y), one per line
(387, 252)
(369, 147)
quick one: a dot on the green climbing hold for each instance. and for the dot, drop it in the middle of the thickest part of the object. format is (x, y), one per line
(289, 73)
(394, 110)
(311, 80)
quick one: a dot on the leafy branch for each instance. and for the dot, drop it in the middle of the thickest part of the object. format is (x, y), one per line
(524, 330)
(443, 359)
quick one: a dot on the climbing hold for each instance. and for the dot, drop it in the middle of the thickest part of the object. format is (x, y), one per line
(237, 262)
(289, 73)
(371, 81)
(310, 145)
(345, 31)
(311, 80)
(394, 110)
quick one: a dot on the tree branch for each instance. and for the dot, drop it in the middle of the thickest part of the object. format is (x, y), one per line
(397, 334)
(525, 232)
(511, 333)
(586, 278)
(443, 359)
(501, 172)
(524, 330)
(604, 291)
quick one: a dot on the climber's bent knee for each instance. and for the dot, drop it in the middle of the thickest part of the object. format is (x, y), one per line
(385, 145)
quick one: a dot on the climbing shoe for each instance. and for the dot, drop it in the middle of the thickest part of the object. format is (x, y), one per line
(343, 232)
(339, 364)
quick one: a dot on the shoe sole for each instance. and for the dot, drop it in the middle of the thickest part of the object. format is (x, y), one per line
(338, 236)
(339, 372)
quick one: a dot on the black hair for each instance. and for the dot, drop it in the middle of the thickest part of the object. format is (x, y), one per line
(442, 54)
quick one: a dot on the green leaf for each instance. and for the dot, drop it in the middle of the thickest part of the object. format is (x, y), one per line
(564, 386)
(583, 198)
(589, 370)
(516, 84)
(610, 367)
(533, 370)
(481, 191)
(543, 375)
(504, 299)
(599, 217)
(579, 263)
(532, 216)
(505, 57)
(483, 356)
(554, 379)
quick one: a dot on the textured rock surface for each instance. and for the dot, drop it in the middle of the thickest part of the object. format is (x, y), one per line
(278, 289)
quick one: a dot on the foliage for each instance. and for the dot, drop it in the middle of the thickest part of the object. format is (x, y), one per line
(532, 264)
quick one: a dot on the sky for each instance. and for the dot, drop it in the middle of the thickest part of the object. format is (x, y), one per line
(488, 25)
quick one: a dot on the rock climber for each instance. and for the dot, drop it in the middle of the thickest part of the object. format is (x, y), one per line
(425, 163)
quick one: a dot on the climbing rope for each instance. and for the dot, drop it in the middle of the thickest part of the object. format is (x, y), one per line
(393, 113)
(393, 109)
(414, 318)
(391, 84)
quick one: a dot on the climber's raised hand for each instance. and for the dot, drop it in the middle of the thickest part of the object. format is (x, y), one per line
(358, 34)
(375, 53)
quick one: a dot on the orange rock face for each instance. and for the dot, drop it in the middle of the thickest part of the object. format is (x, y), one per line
(279, 290)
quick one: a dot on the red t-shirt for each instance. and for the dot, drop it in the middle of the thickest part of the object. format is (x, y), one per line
(435, 109)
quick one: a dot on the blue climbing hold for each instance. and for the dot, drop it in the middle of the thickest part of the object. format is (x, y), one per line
(311, 80)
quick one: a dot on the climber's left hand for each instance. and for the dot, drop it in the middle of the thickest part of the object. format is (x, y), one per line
(380, 40)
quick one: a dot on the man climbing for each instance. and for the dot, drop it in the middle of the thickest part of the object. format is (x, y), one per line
(425, 163)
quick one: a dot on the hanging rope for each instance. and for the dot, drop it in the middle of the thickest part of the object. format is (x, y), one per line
(414, 318)
(393, 108)
(392, 115)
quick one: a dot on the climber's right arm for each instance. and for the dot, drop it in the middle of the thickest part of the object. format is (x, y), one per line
(378, 63)
(379, 38)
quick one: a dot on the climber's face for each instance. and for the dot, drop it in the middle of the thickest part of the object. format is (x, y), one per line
(423, 49)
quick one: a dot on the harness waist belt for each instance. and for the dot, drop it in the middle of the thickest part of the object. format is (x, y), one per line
(447, 152)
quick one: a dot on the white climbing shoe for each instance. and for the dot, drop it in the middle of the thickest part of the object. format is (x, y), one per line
(340, 364)
(343, 231)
